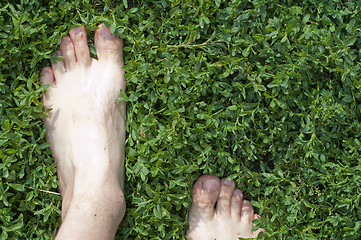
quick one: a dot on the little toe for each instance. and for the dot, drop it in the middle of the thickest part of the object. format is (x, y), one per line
(47, 76)
(236, 204)
(225, 196)
(247, 212)
(79, 38)
(205, 195)
(68, 53)
(109, 47)
(258, 231)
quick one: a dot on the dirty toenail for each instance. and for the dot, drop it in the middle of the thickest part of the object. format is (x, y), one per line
(104, 33)
(66, 40)
(209, 186)
(238, 193)
(78, 31)
(225, 181)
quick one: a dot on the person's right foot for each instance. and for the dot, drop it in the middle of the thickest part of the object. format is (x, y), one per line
(86, 127)
(230, 220)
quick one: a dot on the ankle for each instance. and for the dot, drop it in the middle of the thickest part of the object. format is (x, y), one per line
(93, 216)
(106, 202)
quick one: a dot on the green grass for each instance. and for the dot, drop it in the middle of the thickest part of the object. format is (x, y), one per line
(265, 92)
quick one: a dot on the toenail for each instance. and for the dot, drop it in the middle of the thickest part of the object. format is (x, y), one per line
(237, 192)
(238, 195)
(227, 182)
(66, 40)
(78, 30)
(104, 33)
(209, 186)
(246, 204)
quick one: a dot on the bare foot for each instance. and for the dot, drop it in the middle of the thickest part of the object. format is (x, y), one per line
(86, 128)
(230, 220)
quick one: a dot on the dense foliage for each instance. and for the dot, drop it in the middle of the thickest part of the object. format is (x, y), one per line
(263, 91)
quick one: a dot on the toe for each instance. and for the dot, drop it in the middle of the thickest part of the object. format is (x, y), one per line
(79, 38)
(68, 53)
(47, 76)
(247, 212)
(109, 47)
(205, 195)
(258, 231)
(59, 65)
(236, 204)
(225, 196)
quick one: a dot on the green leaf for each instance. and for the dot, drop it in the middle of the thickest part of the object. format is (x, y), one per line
(3, 141)
(13, 227)
(351, 41)
(17, 187)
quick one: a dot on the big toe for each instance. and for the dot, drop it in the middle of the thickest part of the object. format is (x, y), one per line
(205, 195)
(79, 39)
(109, 47)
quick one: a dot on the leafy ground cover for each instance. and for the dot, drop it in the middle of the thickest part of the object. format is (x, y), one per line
(265, 92)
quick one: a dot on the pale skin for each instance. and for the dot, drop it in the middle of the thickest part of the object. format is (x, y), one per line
(86, 131)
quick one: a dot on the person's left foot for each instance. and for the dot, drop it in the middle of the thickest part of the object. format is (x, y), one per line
(85, 127)
(230, 220)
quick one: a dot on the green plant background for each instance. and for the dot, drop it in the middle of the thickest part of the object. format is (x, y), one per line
(266, 92)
